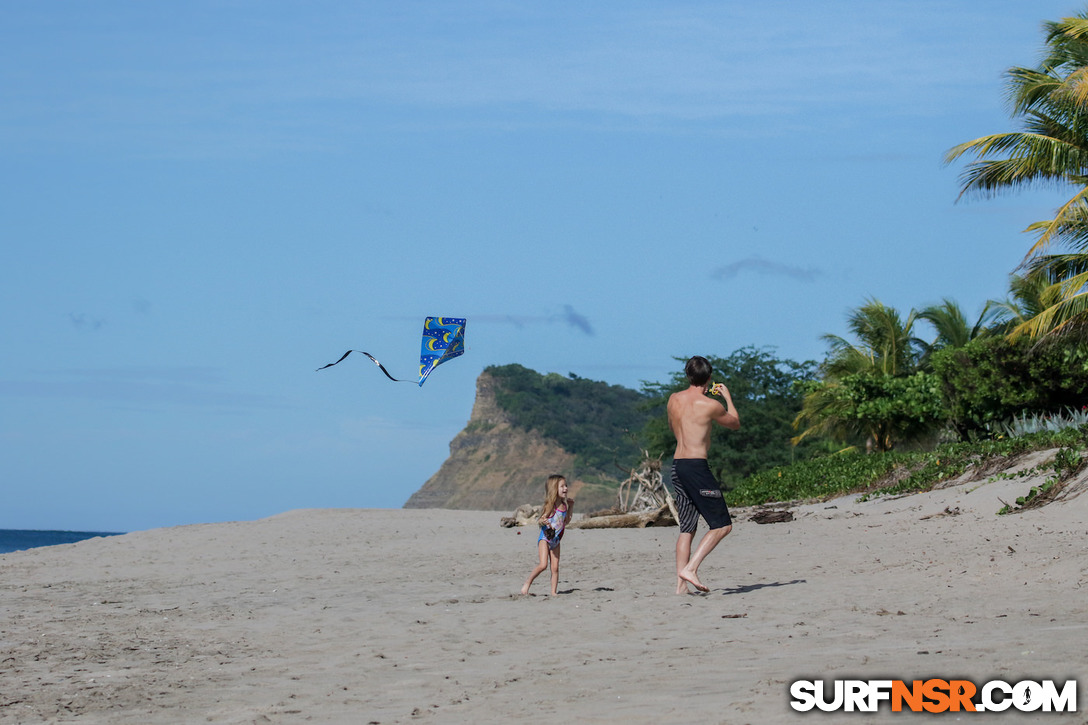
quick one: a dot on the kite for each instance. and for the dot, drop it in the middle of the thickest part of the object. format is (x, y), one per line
(443, 339)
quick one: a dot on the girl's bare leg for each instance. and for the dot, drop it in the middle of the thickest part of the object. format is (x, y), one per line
(542, 549)
(554, 555)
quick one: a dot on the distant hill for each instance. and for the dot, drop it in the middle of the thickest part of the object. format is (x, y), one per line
(525, 426)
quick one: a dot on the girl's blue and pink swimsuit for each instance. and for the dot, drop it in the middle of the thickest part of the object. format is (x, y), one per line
(557, 525)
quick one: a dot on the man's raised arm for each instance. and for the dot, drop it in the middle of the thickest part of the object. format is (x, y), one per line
(727, 416)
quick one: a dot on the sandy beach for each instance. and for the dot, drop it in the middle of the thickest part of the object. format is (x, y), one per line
(399, 616)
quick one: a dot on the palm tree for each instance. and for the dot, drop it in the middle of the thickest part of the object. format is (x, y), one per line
(1051, 101)
(884, 343)
(843, 405)
(1025, 302)
(827, 411)
(1062, 281)
(951, 326)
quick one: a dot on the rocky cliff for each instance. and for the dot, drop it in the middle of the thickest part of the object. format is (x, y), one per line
(496, 466)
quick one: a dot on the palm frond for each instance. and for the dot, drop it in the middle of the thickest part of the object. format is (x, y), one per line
(1029, 89)
(1069, 225)
(1032, 159)
(1056, 267)
(950, 323)
(1050, 148)
(1066, 310)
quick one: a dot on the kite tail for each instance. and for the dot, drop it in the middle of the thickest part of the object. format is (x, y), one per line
(372, 359)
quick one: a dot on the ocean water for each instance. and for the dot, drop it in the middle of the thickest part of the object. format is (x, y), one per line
(18, 540)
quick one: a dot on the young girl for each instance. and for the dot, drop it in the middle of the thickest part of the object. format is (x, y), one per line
(557, 513)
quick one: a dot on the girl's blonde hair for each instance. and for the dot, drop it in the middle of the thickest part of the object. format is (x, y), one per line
(551, 495)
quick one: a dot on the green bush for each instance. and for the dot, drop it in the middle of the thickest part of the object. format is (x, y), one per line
(817, 478)
(845, 473)
(990, 380)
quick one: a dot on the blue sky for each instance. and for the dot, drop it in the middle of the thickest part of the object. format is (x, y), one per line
(202, 203)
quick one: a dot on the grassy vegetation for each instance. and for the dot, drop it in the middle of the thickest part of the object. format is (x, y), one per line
(897, 472)
(1067, 463)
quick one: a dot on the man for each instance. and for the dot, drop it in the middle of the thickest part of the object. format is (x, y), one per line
(691, 416)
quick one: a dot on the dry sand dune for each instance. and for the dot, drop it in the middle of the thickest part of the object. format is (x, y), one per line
(399, 616)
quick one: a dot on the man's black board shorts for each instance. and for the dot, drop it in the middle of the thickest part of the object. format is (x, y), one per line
(697, 493)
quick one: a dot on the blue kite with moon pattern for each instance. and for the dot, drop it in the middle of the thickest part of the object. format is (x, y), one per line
(443, 339)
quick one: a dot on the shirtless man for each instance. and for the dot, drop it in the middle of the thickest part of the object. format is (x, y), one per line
(691, 416)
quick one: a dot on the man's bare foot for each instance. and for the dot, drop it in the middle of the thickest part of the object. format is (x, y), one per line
(525, 589)
(692, 579)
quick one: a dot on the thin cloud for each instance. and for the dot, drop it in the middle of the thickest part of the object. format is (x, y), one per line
(569, 316)
(518, 321)
(766, 268)
(171, 374)
(675, 64)
(574, 319)
(193, 387)
(83, 321)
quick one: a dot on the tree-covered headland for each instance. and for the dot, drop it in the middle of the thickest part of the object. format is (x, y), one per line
(595, 421)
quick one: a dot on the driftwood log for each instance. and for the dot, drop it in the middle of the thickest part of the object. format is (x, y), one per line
(524, 515)
(640, 520)
(772, 516)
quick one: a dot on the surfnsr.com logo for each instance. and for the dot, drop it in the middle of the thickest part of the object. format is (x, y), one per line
(933, 695)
